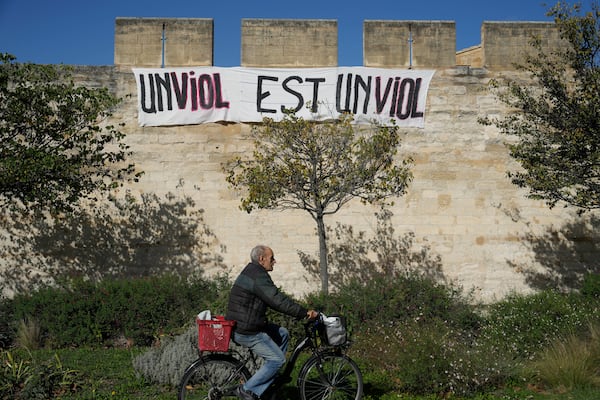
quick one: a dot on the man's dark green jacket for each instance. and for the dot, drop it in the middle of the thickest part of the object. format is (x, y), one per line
(252, 293)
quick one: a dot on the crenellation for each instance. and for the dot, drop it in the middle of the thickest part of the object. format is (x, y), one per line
(409, 44)
(289, 43)
(506, 43)
(150, 42)
(314, 43)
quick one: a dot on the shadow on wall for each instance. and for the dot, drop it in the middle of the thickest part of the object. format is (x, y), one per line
(566, 255)
(354, 256)
(123, 238)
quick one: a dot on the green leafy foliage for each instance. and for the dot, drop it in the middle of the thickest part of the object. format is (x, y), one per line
(591, 286)
(555, 119)
(55, 144)
(398, 300)
(27, 378)
(453, 348)
(318, 168)
(118, 312)
(425, 341)
(100, 373)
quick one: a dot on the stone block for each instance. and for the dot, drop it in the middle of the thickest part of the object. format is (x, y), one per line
(187, 42)
(409, 44)
(505, 43)
(289, 43)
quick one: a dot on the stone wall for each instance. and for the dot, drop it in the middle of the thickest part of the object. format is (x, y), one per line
(471, 56)
(460, 203)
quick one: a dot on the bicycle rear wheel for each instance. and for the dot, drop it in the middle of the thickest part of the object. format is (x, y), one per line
(212, 377)
(330, 376)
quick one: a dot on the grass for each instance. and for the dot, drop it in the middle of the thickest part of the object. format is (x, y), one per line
(29, 334)
(571, 362)
(107, 373)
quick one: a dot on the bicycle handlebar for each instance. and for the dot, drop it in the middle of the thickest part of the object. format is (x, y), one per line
(310, 325)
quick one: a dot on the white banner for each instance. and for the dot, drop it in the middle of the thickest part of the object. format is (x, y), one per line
(182, 96)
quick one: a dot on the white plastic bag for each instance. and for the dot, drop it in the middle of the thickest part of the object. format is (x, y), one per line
(335, 330)
(204, 315)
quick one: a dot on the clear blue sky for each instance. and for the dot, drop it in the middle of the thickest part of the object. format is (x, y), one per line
(81, 32)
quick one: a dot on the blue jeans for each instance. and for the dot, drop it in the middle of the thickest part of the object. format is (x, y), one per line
(271, 345)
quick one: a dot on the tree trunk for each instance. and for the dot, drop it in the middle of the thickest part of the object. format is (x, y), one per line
(323, 255)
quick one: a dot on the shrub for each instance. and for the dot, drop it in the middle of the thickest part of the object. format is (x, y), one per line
(405, 298)
(418, 335)
(525, 324)
(591, 286)
(430, 357)
(137, 309)
(433, 345)
(166, 363)
(7, 331)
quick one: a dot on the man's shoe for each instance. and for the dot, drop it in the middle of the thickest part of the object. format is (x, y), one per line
(244, 394)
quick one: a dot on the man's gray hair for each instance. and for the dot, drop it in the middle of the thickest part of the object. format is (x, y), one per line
(257, 252)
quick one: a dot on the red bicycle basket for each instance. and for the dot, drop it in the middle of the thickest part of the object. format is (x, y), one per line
(214, 334)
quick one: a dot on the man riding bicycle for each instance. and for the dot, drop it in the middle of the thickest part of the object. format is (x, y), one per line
(251, 295)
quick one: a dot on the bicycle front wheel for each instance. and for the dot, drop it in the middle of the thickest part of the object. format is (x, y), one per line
(330, 376)
(212, 377)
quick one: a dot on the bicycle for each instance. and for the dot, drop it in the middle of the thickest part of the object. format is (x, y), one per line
(328, 374)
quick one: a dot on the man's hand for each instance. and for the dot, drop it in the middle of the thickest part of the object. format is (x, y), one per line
(312, 314)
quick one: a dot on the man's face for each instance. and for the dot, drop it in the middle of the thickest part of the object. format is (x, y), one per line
(267, 260)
